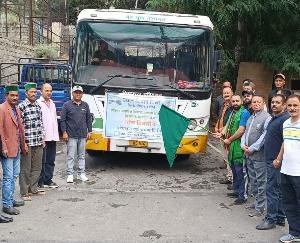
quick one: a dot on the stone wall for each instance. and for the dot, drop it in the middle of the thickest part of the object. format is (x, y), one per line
(11, 51)
(259, 73)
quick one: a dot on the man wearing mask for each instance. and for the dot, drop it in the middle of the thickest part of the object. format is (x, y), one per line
(272, 143)
(51, 136)
(13, 143)
(252, 144)
(31, 163)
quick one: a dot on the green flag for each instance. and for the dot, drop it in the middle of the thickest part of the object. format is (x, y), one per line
(173, 126)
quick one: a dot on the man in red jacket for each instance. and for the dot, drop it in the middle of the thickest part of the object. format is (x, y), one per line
(13, 143)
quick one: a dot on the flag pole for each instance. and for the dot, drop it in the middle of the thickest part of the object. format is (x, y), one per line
(210, 132)
(212, 146)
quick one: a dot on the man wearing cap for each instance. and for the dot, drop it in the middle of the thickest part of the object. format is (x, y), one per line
(248, 85)
(76, 125)
(247, 99)
(279, 83)
(13, 143)
(51, 136)
(31, 163)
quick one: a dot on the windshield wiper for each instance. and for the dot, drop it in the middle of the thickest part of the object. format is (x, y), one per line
(93, 90)
(171, 86)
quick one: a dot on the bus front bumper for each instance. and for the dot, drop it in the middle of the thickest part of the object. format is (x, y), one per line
(189, 145)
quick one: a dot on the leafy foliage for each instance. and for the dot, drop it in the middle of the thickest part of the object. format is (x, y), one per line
(46, 51)
(266, 31)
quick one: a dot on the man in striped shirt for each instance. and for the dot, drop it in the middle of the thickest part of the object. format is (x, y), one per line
(288, 159)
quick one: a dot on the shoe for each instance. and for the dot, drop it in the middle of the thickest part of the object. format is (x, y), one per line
(4, 219)
(51, 185)
(289, 238)
(280, 222)
(225, 181)
(252, 206)
(265, 225)
(70, 179)
(18, 203)
(256, 213)
(83, 177)
(232, 195)
(39, 192)
(26, 197)
(11, 211)
(230, 187)
(239, 201)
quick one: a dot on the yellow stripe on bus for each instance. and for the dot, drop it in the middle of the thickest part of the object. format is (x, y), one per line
(187, 146)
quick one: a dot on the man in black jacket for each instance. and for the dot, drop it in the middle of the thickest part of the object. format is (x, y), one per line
(76, 126)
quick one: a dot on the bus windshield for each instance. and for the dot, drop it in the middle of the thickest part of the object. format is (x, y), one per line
(147, 54)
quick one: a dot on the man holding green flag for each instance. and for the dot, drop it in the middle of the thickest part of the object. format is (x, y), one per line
(235, 128)
(173, 127)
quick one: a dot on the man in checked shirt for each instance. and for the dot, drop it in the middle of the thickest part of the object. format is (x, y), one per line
(31, 163)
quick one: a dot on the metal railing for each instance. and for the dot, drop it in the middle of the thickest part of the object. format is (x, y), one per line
(31, 27)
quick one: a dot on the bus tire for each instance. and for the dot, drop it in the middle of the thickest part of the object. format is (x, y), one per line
(182, 157)
(92, 153)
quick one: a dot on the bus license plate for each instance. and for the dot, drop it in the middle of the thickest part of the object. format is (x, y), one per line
(139, 144)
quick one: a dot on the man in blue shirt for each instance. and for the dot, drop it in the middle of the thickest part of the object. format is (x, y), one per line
(272, 144)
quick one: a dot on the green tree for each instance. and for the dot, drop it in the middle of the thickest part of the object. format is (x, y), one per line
(248, 30)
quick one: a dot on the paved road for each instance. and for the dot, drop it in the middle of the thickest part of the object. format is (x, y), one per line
(137, 198)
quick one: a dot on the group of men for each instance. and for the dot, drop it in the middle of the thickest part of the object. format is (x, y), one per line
(29, 133)
(261, 144)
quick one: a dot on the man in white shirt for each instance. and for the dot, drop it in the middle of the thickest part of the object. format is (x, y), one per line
(288, 159)
(51, 136)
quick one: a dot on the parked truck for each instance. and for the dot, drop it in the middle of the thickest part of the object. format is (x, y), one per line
(39, 71)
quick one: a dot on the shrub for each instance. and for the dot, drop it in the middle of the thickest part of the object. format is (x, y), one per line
(46, 51)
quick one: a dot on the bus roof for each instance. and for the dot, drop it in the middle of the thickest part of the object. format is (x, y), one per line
(145, 16)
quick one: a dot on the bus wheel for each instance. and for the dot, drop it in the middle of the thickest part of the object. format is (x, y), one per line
(92, 153)
(182, 157)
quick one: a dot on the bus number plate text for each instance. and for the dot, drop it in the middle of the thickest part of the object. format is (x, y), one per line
(137, 143)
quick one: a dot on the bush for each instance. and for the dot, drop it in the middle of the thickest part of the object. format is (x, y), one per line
(46, 51)
(12, 19)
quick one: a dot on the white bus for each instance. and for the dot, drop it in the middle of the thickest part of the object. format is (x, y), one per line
(129, 62)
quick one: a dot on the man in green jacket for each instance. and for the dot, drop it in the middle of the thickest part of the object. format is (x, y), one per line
(235, 128)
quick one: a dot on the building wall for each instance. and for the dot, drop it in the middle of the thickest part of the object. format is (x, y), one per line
(259, 73)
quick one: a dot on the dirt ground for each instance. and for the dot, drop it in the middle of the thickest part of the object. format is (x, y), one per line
(138, 198)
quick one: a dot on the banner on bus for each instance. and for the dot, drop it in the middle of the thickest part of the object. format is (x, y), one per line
(134, 117)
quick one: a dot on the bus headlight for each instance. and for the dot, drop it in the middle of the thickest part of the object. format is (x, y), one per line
(192, 125)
